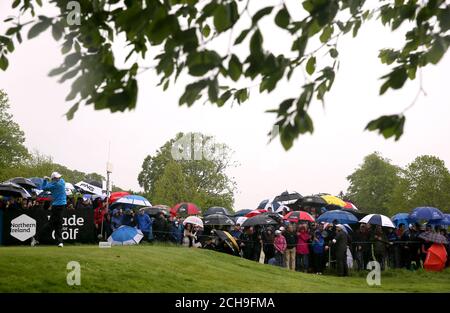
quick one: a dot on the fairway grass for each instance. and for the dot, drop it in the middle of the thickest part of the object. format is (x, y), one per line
(159, 268)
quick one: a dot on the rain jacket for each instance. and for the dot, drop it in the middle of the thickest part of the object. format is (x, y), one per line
(116, 222)
(144, 223)
(280, 243)
(302, 243)
(58, 190)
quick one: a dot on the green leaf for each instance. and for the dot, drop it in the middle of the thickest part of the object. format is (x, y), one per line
(57, 31)
(300, 45)
(241, 95)
(437, 51)
(388, 126)
(213, 90)
(199, 63)
(326, 33)
(225, 16)
(234, 68)
(261, 13)
(206, 30)
(38, 28)
(224, 98)
(282, 18)
(72, 59)
(242, 36)
(444, 19)
(3, 63)
(70, 114)
(334, 53)
(311, 65)
(256, 43)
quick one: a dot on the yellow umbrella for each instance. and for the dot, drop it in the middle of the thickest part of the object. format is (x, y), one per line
(333, 200)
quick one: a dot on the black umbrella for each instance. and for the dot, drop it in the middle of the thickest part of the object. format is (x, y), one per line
(13, 190)
(217, 219)
(216, 210)
(260, 219)
(23, 182)
(286, 196)
(275, 216)
(433, 237)
(229, 240)
(312, 201)
(95, 183)
(154, 211)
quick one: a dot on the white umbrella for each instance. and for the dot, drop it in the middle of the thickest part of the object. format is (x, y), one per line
(281, 208)
(241, 219)
(134, 200)
(69, 189)
(195, 220)
(377, 219)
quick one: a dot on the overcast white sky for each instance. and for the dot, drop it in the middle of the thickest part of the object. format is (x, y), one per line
(317, 163)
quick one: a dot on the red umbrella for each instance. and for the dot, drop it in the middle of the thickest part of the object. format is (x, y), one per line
(296, 216)
(114, 196)
(184, 208)
(255, 212)
(349, 205)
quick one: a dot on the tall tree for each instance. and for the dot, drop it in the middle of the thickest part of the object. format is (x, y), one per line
(185, 33)
(12, 138)
(372, 184)
(186, 158)
(424, 182)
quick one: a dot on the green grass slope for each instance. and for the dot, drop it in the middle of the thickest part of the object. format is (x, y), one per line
(149, 268)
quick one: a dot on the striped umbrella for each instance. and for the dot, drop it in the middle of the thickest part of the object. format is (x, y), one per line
(194, 220)
(255, 212)
(125, 235)
(377, 219)
(134, 200)
(297, 216)
(350, 206)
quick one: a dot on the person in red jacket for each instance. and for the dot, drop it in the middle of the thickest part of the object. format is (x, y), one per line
(99, 218)
(303, 249)
(280, 247)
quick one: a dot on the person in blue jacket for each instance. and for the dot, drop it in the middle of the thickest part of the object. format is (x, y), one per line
(145, 224)
(59, 200)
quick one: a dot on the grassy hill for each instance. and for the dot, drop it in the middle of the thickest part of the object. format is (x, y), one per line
(149, 268)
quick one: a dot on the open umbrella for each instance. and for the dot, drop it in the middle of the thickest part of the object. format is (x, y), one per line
(23, 182)
(240, 220)
(217, 219)
(350, 206)
(313, 201)
(287, 196)
(228, 239)
(114, 196)
(433, 237)
(267, 204)
(70, 189)
(259, 220)
(242, 212)
(38, 181)
(426, 214)
(13, 190)
(184, 208)
(134, 200)
(342, 217)
(297, 216)
(194, 220)
(377, 219)
(125, 235)
(154, 211)
(283, 208)
(436, 258)
(216, 210)
(400, 218)
(334, 201)
(255, 212)
(444, 222)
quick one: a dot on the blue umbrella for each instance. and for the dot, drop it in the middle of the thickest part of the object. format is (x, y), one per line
(428, 214)
(242, 212)
(125, 235)
(265, 204)
(37, 181)
(444, 222)
(400, 218)
(342, 217)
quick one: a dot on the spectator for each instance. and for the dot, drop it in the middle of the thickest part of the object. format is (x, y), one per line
(280, 247)
(128, 218)
(236, 232)
(379, 242)
(268, 248)
(291, 241)
(188, 235)
(145, 223)
(99, 220)
(393, 251)
(247, 245)
(318, 252)
(116, 219)
(176, 230)
(302, 249)
(340, 244)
